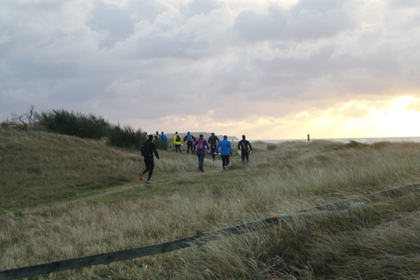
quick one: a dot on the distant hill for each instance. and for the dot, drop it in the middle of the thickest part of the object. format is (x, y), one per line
(206, 135)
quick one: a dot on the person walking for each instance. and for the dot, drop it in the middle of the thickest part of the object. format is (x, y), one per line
(226, 151)
(243, 146)
(190, 141)
(163, 137)
(213, 140)
(201, 145)
(177, 142)
(147, 150)
(157, 136)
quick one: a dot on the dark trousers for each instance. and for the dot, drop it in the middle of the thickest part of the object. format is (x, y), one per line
(200, 156)
(150, 165)
(245, 155)
(190, 145)
(177, 147)
(213, 150)
(225, 160)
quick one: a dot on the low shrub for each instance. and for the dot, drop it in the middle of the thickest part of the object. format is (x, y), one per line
(125, 137)
(74, 124)
(160, 145)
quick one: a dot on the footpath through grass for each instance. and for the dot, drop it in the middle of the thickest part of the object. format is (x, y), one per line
(64, 197)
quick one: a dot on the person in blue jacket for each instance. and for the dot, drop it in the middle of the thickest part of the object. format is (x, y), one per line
(226, 150)
(163, 137)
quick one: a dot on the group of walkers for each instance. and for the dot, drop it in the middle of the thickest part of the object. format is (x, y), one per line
(199, 146)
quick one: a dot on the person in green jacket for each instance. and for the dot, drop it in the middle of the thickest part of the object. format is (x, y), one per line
(177, 142)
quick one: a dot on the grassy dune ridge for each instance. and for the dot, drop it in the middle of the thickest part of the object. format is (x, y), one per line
(41, 172)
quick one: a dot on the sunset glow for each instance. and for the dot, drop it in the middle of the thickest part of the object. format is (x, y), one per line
(270, 69)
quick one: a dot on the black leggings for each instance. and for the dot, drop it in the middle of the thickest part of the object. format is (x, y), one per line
(178, 147)
(189, 145)
(150, 165)
(245, 154)
(213, 150)
(225, 160)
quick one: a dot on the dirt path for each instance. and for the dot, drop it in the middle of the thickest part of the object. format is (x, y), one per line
(118, 189)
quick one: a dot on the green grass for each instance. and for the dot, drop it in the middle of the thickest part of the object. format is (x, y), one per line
(64, 197)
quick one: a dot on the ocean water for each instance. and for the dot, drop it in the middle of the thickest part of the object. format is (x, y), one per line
(347, 140)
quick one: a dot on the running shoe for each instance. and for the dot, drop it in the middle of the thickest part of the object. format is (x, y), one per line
(149, 182)
(141, 176)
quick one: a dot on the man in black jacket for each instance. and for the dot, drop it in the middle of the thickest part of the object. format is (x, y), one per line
(213, 140)
(147, 150)
(243, 146)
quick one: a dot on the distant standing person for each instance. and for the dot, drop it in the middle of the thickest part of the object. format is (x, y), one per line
(163, 137)
(243, 146)
(201, 145)
(157, 136)
(177, 142)
(147, 150)
(190, 141)
(213, 140)
(226, 151)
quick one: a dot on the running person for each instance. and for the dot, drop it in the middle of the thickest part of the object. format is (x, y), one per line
(147, 150)
(201, 151)
(190, 141)
(177, 142)
(243, 146)
(225, 151)
(213, 140)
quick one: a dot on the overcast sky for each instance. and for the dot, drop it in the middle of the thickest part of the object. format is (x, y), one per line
(268, 69)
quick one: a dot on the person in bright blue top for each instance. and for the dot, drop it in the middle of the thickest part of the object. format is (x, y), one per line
(163, 138)
(226, 151)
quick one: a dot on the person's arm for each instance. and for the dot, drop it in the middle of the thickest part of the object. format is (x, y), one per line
(206, 144)
(250, 145)
(230, 148)
(154, 149)
(185, 138)
(239, 145)
(195, 144)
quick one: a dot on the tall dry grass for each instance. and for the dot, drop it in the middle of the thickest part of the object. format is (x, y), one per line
(375, 241)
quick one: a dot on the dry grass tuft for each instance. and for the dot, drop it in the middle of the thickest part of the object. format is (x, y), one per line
(376, 240)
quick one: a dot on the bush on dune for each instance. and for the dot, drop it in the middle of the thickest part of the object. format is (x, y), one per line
(74, 124)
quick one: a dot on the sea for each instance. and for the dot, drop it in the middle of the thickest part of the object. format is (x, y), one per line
(347, 140)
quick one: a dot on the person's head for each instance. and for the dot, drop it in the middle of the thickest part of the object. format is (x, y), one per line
(212, 134)
(189, 132)
(162, 132)
(201, 135)
(176, 132)
(225, 137)
(150, 137)
(243, 137)
(157, 132)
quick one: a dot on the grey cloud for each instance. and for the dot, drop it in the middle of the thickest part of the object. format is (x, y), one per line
(112, 60)
(307, 20)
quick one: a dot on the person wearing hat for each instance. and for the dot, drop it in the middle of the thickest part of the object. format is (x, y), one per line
(190, 141)
(226, 151)
(147, 150)
(200, 146)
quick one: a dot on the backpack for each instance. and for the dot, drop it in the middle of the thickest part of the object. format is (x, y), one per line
(178, 138)
(145, 149)
(189, 137)
(243, 145)
(200, 144)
